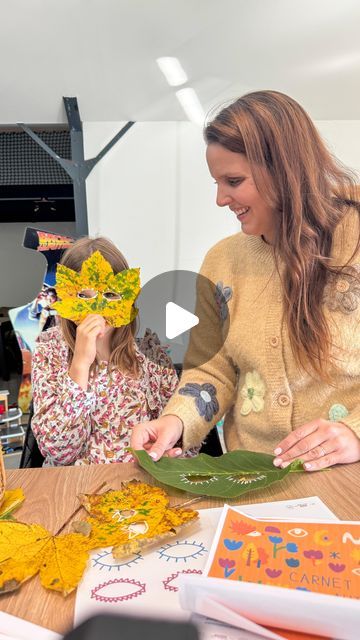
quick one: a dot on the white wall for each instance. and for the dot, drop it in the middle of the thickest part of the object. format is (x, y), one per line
(132, 192)
(201, 222)
(153, 195)
(343, 138)
(22, 270)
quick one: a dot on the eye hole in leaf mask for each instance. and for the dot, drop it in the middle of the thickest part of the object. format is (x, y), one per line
(96, 289)
(91, 294)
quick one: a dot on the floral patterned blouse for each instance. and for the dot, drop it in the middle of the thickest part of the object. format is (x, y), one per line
(73, 426)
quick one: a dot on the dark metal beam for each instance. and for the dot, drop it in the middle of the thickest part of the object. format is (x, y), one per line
(77, 168)
(66, 164)
(78, 160)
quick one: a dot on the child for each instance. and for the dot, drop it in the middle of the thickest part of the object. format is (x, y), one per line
(91, 383)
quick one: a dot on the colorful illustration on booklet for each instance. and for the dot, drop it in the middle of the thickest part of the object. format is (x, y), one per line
(29, 320)
(310, 556)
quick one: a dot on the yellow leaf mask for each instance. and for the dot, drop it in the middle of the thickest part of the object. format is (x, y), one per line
(96, 289)
(133, 518)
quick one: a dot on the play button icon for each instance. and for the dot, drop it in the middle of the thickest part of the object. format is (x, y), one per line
(181, 308)
(178, 320)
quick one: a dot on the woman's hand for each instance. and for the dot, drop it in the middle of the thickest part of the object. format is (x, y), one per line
(158, 437)
(87, 332)
(319, 444)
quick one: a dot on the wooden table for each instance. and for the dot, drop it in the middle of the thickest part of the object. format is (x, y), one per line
(51, 499)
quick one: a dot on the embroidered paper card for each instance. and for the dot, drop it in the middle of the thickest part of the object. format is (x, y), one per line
(322, 557)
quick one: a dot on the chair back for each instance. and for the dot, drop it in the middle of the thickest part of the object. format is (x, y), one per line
(31, 455)
(2, 476)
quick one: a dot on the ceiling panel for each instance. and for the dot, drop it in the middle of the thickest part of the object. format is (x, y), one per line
(104, 52)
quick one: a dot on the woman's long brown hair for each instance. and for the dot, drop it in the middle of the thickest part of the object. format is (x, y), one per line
(310, 191)
(123, 352)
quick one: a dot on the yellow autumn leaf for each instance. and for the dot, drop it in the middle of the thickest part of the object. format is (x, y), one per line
(134, 517)
(97, 274)
(64, 562)
(173, 522)
(12, 500)
(96, 271)
(27, 549)
(21, 551)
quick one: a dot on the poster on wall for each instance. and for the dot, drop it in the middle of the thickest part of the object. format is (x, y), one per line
(29, 320)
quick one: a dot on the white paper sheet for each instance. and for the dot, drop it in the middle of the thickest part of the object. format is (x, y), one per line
(210, 607)
(144, 584)
(319, 614)
(148, 585)
(209, 629)
(13, 628)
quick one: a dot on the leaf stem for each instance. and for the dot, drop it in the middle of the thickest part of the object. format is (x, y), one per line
(74, 513)
(185, 504)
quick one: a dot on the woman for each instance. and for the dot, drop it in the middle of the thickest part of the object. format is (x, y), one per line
(91, 383)
(288, 374)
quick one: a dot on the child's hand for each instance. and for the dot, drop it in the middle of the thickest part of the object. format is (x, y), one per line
(87, 332)
(158, 437)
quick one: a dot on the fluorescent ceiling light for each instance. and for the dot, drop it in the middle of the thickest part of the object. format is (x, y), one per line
(173, 71)
(191, 104)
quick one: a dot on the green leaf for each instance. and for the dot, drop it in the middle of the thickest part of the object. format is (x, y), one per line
(227, 476)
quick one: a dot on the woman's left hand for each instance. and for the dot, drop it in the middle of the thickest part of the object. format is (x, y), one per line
(319, 444)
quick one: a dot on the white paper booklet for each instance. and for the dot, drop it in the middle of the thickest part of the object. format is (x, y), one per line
(13, 628)
(149, 584)
(250, 605)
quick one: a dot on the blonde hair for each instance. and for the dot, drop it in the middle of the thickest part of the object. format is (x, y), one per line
(123, 351)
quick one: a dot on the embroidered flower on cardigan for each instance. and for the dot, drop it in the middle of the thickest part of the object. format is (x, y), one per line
(253, 393)
(337, 412)
(342, 293)
(222, 297)
(205, 398)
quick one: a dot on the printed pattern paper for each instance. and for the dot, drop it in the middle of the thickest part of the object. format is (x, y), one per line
(320, 557)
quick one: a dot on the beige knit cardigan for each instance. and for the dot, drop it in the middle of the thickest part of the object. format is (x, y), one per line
(253, 379)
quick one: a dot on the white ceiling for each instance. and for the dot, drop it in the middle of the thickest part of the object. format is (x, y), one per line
(104, 52)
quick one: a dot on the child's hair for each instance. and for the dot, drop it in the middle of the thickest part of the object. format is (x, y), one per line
(123, 351)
